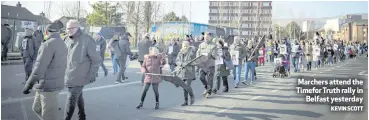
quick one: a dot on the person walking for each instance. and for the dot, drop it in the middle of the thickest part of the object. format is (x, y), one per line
(39, 37)
(309, 55)
(221, 71)
(28, 53)
(172, 52)
(143, 49)
(238, 53)
(6, 35)
(111, 45)
(48, 81)
(207, 48)
(100, 48)
(153, 63)
(122, 51)
(187, 73)
(82, 64)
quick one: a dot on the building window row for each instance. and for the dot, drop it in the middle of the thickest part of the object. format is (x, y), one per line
(238, 3)
(248, 11)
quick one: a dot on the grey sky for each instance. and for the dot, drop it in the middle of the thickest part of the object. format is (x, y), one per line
(200, 9)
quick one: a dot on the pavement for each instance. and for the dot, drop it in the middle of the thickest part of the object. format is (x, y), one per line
(267, 99)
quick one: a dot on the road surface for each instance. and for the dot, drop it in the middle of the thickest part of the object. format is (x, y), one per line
(267, 99)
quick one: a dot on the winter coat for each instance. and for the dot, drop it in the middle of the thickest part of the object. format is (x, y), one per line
(309, 53)
(6, 34)
(153, 64)
(101, 47)
(209, 49)
(50, 65)
(183, 58)
(221, 70)
(83, 61)
(39, 38)
(242, 51)
(28, 47)
(122, 49)
(172, 56)
(143, 48)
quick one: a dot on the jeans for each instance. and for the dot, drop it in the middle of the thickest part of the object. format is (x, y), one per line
(103, 67)
(185, 93)
(330, 60)
(172, 66)
(224, 81)
(295, 62)
(250, 66)
(75, 97)
(4, 51)
(155, 87)
(115, 64)
(45, 105)
(122, 69)
(237, 73)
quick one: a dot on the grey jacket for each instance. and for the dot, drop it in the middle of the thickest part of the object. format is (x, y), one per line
(28, 47)
(143, 48)
(101, 47)
(182, 59)
(49, 68)
(83, 61)
(39, 38)
(208, 48)
(122, 49)
(172, 57)
(221, 70)
(242, 51)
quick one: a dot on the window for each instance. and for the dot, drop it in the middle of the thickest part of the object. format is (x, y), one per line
(213, 11)
(244, 33)
(245, 3)
(254, 4)
(265, 3)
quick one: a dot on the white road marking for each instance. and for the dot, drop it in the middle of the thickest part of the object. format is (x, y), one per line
(320, 72)
(274, 90)
(24, 111)
(64, 93)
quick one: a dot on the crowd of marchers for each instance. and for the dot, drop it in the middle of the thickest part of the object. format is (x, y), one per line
(73, 61)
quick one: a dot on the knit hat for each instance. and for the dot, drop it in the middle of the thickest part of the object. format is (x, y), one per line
(55, 26)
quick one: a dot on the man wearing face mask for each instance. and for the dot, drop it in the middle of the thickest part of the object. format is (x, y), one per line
(208, 49)
(28, 52)
(122, 50)
(48, 81)
(101, 47)
(82, 65)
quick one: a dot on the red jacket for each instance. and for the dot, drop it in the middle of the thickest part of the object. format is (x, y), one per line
(262, 55)
(152, 64)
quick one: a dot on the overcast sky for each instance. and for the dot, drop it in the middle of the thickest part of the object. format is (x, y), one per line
(200, 9)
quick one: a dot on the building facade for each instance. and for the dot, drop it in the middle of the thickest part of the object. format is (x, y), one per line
(355, 31)
(249, 18)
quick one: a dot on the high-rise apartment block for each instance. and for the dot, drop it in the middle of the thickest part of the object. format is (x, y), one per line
(249, 18)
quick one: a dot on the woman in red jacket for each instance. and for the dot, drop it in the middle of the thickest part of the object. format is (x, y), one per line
(153, 62)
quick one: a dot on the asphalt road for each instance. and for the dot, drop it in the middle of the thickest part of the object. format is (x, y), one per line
(267, 99)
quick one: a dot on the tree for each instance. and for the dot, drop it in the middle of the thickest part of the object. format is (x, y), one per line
(221, 11)
(104, 13)
(71, 9)
(171, 16)
(237, 22)
(132, 16)
(293, 30)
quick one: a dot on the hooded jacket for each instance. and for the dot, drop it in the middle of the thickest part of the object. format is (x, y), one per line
(83, 61)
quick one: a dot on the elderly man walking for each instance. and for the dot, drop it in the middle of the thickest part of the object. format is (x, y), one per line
(47, 80)
(82, 64)
(122, 51)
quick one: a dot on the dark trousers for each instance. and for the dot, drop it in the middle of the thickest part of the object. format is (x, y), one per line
(28, 65)
(207, 79)
(309, 66)
(185, 93)
(122, 69)
(155, 87)
(75, 97)
(4, 51)
(103, 67)
(143, 75)
(224, 80)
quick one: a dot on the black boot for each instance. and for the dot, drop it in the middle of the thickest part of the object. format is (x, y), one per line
(157, 105)
(185, 103)
(192, 100)
(139, 105)
(215, 91)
